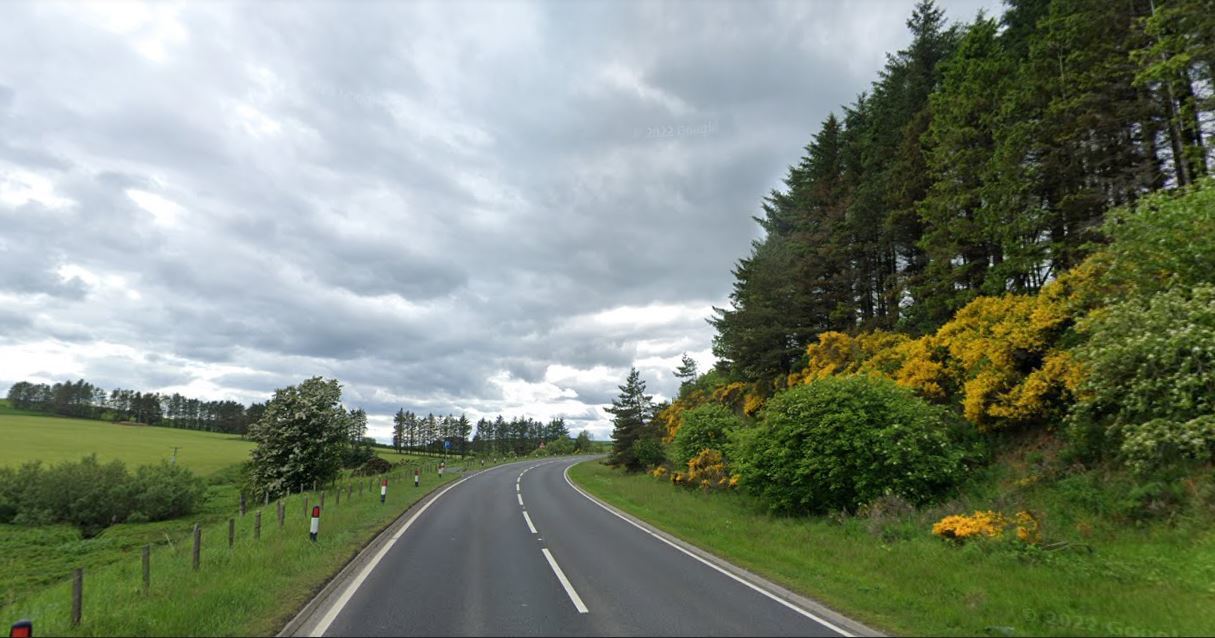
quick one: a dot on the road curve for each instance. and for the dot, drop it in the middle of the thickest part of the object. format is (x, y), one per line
(516, 550)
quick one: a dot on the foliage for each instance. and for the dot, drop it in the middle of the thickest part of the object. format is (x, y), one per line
(647, 452)
(1161, 443)
(92, 496)
(301, 437)
(164, 491)
(708, 471)
(980, 524)
(374, 465)
(988, 524)
(1155, 245)
(843, 441)
(703, 427)
(1150, 377)
(634, 432)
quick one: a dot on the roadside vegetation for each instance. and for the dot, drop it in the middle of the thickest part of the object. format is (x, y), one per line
(96, 513)
(966, 380)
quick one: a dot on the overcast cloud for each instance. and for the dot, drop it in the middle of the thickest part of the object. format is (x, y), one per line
(460, 207)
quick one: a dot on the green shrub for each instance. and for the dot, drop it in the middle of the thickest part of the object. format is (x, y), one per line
(1161, 444)
(704, 427)
(840, 442)
(1150, 373)
(648, 452)
(1163, 243)
(164, 491)
(93, 496)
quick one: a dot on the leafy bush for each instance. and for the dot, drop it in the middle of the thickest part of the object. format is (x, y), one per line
(161, 492)
(93, 496)
(648, 452)
(1162, 243)
(1161, 443)
(703, 427)
(840, 442)
(1150, 376)
(707, 470)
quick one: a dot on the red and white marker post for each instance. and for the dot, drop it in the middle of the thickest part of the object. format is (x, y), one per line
(315, 526)
(417, 477)
(383, 490)
(21, 629)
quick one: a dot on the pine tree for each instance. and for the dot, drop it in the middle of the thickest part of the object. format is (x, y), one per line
(632, 411)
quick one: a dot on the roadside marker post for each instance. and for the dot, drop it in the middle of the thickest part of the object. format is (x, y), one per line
(21, 629)
(315, 526)
(383, 490)
(417, 477)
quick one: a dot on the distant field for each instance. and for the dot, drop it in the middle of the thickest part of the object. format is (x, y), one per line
(52, 439)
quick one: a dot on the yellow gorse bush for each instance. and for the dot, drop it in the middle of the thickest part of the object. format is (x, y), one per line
(988, 524)
(709, 469)
(961, 527)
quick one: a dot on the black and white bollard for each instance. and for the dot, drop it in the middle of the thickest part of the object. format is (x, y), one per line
(417, 477)
(315, 526)
(441, 464)
(383, 490)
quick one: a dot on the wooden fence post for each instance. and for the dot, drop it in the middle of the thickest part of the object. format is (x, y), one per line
(338, 496)
(231, 532)
(257, 526)
(282, 508)
(197, 546)
(242, 503)
(147, 568)
(77, 594)
(322, 503)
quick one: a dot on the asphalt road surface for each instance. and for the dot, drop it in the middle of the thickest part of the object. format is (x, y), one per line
(516, 550)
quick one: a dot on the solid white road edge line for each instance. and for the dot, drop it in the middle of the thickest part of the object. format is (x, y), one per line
(774, 597)
(569, 589)
(529, 522)
(336, 608)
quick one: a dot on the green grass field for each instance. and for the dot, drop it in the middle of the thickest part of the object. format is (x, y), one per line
(1150, 580)
(50, 439)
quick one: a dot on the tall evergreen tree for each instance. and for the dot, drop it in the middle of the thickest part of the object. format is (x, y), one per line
(632, 412)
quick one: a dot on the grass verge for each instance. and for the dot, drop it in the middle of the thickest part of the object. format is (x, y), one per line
(254, 588)
(1152, 580)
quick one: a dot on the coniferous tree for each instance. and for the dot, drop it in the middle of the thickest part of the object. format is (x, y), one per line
(632, 411)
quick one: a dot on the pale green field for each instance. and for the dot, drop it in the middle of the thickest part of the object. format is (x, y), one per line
(53, 439)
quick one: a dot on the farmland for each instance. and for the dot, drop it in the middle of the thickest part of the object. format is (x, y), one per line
(49, 439)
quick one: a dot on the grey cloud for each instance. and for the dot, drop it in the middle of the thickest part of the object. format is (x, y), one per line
(412, 198)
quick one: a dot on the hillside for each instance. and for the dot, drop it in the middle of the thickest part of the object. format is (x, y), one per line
(49, 439)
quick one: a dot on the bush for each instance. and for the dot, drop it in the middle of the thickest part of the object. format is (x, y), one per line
(1150, 377)
(373, 465)
(703, 428)
(161, 492)
(839, 442)
(707, 470)
(648, 452)
(1158, 245)
(93, 496)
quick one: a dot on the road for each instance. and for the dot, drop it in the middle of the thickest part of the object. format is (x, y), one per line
(517, 550)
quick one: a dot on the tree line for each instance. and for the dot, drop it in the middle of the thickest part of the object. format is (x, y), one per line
(450, 434)
(81, 399)
(981, 161)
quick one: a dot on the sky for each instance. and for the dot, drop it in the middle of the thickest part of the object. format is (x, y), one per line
(480, 208)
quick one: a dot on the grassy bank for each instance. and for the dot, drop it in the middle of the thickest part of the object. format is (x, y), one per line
(890, 572)
(251, 589)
